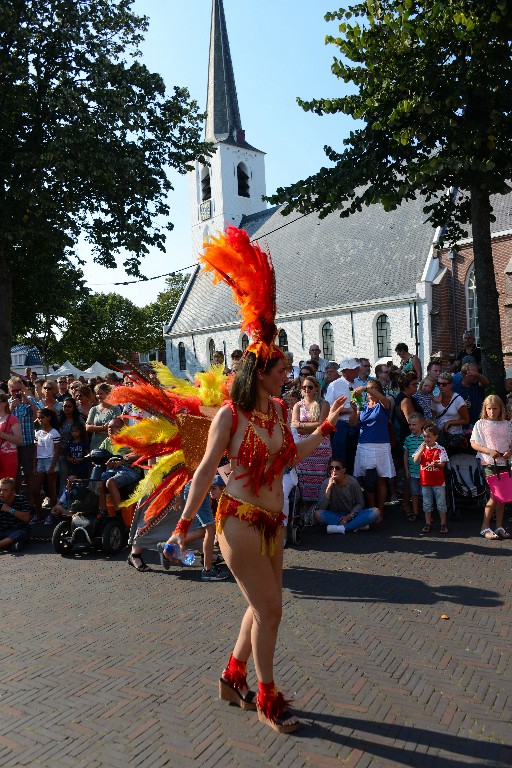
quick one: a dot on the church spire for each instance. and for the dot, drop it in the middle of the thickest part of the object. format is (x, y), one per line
(222, 113)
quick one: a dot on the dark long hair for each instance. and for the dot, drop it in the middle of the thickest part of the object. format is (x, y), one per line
(243, 390)
(54, 423)
(77, 417)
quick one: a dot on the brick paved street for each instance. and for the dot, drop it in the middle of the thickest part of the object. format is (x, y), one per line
(105, 667)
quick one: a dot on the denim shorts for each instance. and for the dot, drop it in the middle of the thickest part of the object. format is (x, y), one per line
(415, 485)
(16, 534)
(122, 476)
(43, 465)
(204, 514)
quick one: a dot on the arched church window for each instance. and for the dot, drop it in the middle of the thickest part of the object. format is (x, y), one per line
(283, 340)
(244, 342)
(471, 303)
(243, 180)
(383, 336)
(328, 341)
(211, 350)
(206, 186)
(182, 357)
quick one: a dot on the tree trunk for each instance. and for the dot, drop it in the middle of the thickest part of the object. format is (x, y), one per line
(487, 293)
(5, 316)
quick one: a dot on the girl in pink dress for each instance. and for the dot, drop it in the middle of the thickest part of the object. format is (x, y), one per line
(492, 439)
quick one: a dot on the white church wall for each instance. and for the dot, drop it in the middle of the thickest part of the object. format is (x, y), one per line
(354, 334)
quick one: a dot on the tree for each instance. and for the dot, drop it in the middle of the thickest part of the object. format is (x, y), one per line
(433, 92)
(160, 312)
(87, 134)
(103, 326)
(43, 301)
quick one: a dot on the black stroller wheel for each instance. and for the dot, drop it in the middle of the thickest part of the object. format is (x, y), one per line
(60, 538)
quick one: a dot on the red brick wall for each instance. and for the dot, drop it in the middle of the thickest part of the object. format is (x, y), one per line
(443, 321)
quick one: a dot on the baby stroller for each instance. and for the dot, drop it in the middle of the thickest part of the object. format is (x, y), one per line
(291, 490)
(466, 489)
(87, 528)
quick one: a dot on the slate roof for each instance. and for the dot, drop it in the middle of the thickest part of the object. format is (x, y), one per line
(32, 355)
(323, 264)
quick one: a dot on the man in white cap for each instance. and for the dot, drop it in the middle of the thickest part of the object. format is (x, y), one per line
(342, 440)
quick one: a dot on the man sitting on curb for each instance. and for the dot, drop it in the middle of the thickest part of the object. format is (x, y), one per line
(14, 517)
(341, 503)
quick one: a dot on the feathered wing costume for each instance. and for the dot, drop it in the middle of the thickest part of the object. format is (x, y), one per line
(179, 413)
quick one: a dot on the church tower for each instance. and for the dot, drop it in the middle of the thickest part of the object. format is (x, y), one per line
(233, 184)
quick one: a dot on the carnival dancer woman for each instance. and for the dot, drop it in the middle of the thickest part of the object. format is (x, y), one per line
(252, 428)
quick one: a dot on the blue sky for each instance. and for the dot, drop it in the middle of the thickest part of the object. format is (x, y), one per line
(278, 53)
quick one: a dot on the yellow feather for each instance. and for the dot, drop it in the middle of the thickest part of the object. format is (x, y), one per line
(168, 379)
(154, 477)
(150, 431)
(212, 386)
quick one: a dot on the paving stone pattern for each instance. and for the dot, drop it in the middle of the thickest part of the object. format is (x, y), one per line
(103, 667)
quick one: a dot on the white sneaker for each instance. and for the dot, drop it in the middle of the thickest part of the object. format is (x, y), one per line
(335, 529)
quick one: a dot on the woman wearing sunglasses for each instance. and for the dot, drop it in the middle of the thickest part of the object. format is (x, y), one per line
(308, 415)
(451, 414)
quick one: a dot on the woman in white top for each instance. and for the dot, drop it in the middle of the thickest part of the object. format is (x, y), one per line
(492, 439)
(451, 413)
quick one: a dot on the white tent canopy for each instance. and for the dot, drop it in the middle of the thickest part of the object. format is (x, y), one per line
(97, 369)
(65, 369)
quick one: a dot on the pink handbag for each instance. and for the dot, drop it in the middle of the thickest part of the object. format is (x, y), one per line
(500, 485)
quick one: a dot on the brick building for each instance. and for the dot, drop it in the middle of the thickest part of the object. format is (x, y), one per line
(454, 301)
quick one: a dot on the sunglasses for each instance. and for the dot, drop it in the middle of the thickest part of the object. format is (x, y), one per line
(334, 468)
(308, 386)
(443, 383)
(47, 387)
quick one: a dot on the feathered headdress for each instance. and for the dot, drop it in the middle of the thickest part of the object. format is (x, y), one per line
(248, 271)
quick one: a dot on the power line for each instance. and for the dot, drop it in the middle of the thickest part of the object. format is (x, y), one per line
(147, 279)
(191, 266)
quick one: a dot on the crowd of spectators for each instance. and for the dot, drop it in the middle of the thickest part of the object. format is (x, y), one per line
(48, 428)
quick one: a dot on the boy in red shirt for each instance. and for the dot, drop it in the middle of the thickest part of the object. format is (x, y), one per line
(432, 457)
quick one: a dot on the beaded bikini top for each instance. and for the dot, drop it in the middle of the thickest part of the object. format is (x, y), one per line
(254, 452)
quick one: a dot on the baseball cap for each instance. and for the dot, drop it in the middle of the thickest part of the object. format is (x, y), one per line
(468, 359)
(349, 363)
(217, 480)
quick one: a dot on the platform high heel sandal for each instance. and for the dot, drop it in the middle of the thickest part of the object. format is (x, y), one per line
(233, 679)
(273, 709)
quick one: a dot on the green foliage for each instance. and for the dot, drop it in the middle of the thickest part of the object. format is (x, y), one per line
(433, 93)
(86, 137)
(103, 327)
(41, 303)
